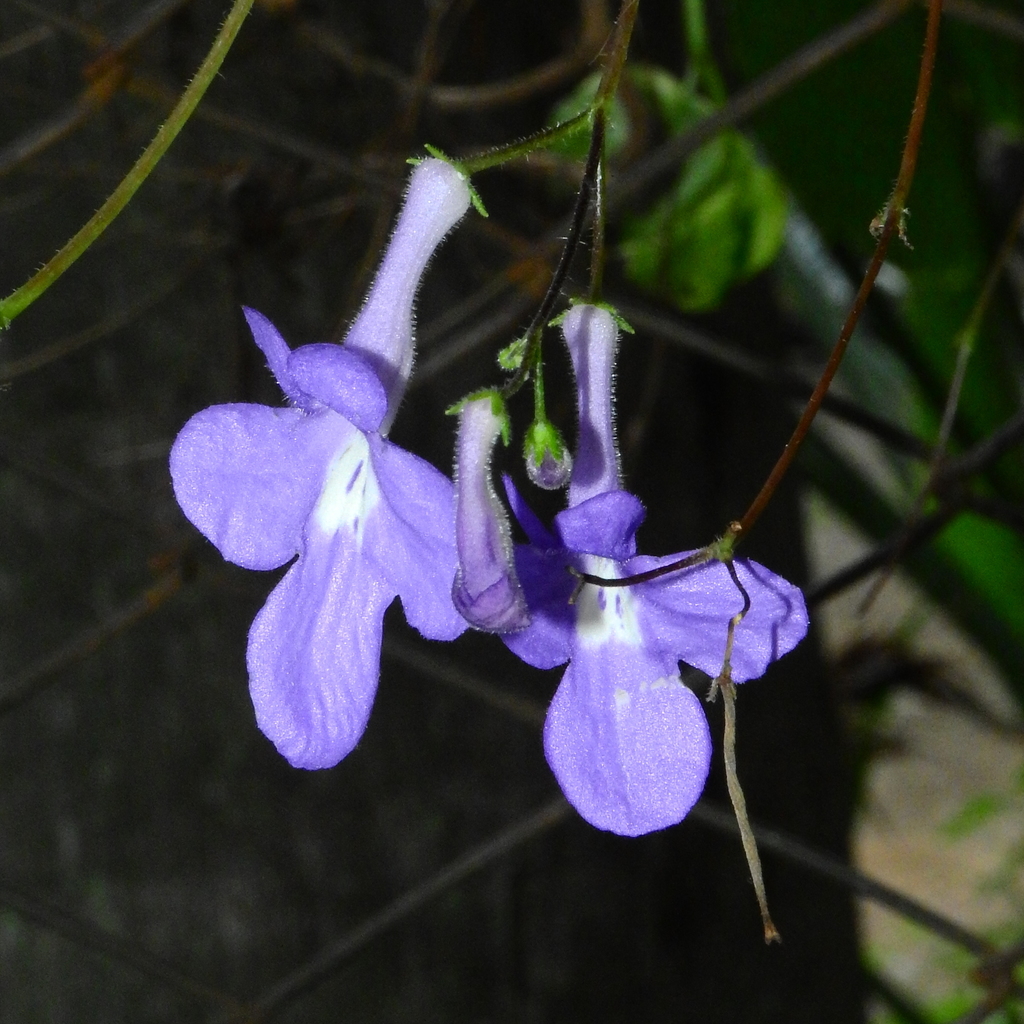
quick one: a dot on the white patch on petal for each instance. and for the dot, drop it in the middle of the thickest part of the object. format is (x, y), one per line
(622, 699)
(350, 490)
(604, 614)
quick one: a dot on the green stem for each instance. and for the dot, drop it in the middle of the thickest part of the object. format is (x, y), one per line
(546, 137)
(19, 300)
(620, 47)
(703, 69)
(540, 413)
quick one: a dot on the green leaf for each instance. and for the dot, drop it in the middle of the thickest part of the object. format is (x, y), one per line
(511, 356)
(723, 222)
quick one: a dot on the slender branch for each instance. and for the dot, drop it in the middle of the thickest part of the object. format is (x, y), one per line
(667, 158)
(535, 331)
(593, 30)
(984, 453)
(817, 54)
(55, 350)
(281, 995)
(723, 683)
(712, 815)
(987, 16)
(924, 529)
(40, 674)
(828, 866)
(96, 941)
(894, 214)
(966, 339)
(19, 300)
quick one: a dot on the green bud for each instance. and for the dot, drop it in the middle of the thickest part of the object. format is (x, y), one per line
(548, 462)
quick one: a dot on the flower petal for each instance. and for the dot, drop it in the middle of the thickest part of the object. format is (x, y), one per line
(247, 476)
(687, 614)
(545, 579)
(627, 741)
(604, 525)
(341, 380)
(539, 535)
(314, 650)
(416, 547)
(276, 349)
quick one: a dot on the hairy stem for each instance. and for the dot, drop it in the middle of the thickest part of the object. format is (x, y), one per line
(19, 300)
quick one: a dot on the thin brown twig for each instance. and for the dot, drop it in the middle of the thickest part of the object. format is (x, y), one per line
(721, 818)
(965, 341)
(62, 347)
(984, 453)
(667, 158)
(25, 40)
(592, 33)
(787, 73)
(105, 76)
(96, 941)
(988, 17)
(894, 214)
(272, 135)
(306, 978)
(40, 674)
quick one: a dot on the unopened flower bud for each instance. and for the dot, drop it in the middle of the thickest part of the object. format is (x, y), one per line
(486, 590)
(548, 462)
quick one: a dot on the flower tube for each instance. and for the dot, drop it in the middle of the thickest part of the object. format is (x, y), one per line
(486, 590)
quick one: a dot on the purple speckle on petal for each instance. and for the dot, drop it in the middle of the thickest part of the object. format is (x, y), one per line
(355, 477)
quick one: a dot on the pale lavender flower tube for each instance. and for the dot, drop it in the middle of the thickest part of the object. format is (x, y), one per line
(486, 590)
(593, 339)
(319, 479)
(627, 741)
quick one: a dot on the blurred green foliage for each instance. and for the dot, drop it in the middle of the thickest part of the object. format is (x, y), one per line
(835, 141)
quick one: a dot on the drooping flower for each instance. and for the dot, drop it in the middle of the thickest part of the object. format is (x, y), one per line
(319, 479)
(486, 591)
(626, 739)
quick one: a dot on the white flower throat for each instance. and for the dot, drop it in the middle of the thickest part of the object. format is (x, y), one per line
(350, 490)
(604, 614)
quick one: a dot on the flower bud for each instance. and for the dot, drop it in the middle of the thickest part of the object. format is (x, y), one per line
(548, 462)
(486, 590)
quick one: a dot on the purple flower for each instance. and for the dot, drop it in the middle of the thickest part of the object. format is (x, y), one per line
(319, 479)
(627, 741)
(486, 591)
